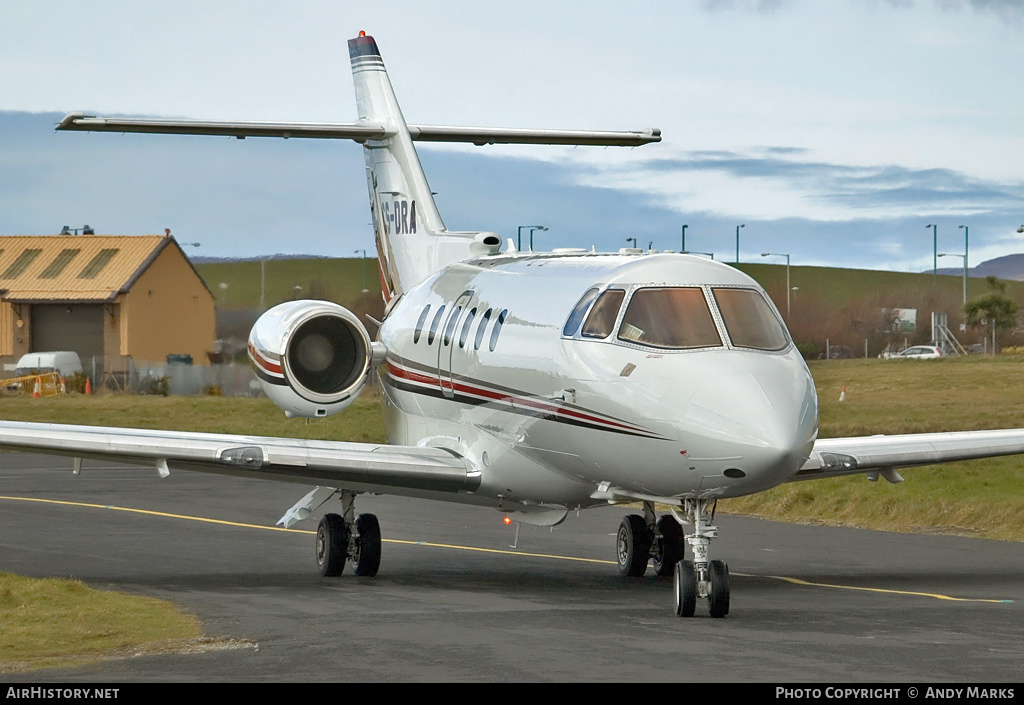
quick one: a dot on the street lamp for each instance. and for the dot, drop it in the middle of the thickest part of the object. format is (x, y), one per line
(694, 252)
(519, 238)
(966, 252)
(532, 228)
(364, 269)
(683, 247)
(964, 256)
(633, 240)
(935, 257)
(738, 242)
(788, 289)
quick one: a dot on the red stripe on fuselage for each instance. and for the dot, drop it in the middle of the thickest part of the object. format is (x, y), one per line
(433, 381)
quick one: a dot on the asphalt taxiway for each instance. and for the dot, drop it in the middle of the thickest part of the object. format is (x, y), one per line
(454, 602)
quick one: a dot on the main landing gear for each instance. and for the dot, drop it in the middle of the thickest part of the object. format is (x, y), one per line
(340, 539)
(641, 538)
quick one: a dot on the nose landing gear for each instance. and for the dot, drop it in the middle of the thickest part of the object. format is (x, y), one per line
(701, 577)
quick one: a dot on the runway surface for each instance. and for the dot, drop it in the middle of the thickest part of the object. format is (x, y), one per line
(453, 602)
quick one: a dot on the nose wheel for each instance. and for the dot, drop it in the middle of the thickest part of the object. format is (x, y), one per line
(701, 577)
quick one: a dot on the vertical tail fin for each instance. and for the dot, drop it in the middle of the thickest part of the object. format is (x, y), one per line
(412, 241)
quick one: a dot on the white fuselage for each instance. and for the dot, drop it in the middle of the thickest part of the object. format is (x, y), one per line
(548, 414)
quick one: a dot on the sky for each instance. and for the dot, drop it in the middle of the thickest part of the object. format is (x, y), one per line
(834, 132)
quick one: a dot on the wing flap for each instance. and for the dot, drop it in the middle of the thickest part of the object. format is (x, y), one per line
(358, 131)
(834, 457)
(361, 466)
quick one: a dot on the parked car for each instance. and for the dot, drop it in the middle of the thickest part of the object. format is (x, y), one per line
(64, 363)
(920, 352)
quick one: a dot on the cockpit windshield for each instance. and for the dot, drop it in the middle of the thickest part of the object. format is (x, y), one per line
(749, 320)
(669, 318)
(679, 318)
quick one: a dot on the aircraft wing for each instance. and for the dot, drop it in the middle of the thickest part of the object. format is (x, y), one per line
(833, 457)
(358, 131)
(356, 466)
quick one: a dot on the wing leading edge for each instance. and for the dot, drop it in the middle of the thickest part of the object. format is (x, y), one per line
(834, 457)
(359, 131)
(358, 466)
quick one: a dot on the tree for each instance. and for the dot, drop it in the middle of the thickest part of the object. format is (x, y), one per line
(995, 309)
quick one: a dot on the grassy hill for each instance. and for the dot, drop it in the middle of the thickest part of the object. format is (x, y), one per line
(841, 306)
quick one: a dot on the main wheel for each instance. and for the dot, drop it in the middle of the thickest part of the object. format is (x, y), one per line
(685, 588)
(671, 549)
(367, 557)
(718, 589)
(331, 545)
(633, 546)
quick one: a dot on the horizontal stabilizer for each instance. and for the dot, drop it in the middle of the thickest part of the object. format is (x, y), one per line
(358, 131)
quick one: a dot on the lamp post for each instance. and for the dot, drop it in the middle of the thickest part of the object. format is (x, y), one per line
(364, 269)
(738, 241)
(788, 289)
(532, 228)
(519, 237)
(694, 252)
(966, 252)
(935, 257)
(633, 240)
(964, 256)
(683, 247)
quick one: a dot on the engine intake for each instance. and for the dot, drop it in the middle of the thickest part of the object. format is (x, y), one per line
(312, 358)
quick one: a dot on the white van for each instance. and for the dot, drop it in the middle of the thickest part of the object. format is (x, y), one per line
(64, 362)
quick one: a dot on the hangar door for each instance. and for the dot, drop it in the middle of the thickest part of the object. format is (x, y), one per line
(77, 327)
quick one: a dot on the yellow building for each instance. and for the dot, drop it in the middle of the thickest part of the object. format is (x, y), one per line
(108, 297)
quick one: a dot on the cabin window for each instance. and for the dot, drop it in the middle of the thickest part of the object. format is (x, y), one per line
(497, 328)
(466, 326)
(434, 324)
(749, 320)
(602, 317)
(450, 328)
(580, 310)
(419, 324)
(480, 329)
(676, 318)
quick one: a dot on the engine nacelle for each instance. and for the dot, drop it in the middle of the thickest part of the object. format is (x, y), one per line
(312, 358)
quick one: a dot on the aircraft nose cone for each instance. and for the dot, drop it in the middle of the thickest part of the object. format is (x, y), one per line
(758, 424)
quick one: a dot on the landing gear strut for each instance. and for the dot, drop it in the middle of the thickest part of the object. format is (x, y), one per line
(340, 539)
(701, 577)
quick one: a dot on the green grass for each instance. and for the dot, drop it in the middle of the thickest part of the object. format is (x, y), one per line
(62, 623)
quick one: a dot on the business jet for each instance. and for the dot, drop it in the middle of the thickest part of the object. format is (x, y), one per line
(533, 383)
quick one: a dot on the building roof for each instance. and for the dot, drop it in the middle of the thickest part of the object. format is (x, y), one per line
(74, 268)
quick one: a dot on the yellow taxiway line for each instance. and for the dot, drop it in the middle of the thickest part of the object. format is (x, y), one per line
(222, 522)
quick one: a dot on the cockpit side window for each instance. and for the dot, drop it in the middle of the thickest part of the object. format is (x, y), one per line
(601, 321)
(669, 318)
(576, 317)
(749, 320)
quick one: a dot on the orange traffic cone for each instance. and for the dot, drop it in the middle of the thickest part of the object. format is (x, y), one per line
(88, 386)
(36, 392)
(63, 388)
